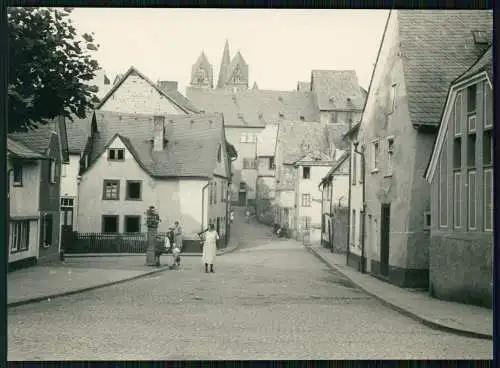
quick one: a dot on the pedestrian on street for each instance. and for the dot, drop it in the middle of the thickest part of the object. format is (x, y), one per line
(210, 248)
(247, 215)
(232, 216)
(178, 235)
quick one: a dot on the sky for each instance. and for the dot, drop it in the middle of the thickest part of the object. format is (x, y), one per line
(280, 47)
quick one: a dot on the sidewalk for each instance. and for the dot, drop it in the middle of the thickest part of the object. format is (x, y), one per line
(80, 273)
(453, 317)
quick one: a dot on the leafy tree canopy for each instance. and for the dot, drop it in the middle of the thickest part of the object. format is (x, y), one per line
(50, 67)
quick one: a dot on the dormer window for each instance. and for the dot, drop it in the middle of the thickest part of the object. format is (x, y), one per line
(480, 37)
(282, 116)
(17, 173)
(302, 118)
(116, 154)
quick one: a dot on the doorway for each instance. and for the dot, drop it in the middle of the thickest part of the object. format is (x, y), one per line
(385, 225)
(242, 199)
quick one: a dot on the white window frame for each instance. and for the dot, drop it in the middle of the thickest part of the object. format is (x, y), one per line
(457, 207)
(485, 105)
(470, 118)
(457, 115)
(244, 138)
(307, 199)
(64, 170)
(390, 153)
(471, 194)
(19, 239)
(443, 175)
(392, 98)
(116, 150)
(375, 160)
(490, 172)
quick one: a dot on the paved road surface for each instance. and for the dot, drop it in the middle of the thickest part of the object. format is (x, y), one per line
(270, 299)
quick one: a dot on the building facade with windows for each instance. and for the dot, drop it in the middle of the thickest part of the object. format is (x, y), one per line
(397, 132)
(309, 170)
(34, 192)
(460, 172)
(178, 164)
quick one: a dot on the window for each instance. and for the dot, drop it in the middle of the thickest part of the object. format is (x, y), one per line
(116, 154)
(67, 202)
(111, 190)
(306, 172)
(375, 155)
(271, 163)
(457, 203)
(222, 184)
(354, 168)
(427, 220)
(19, 236)
(488, 199)
(471, 150)
(306, 200)
(47, 229)
(133, 190)
(471, 98)
(392, 98)
(471, 200)
(52, 171)
(487, 148)
(281, 115)
(243, 186)
(67, 211)
(471, 123)
(64, 170)
(249, 163)
(443, 188)
(132, 224)
(110, 224)
(488, 107)
(457, 152)
(390, 152)
(244, 138)
(353, 227)
(362, 169)
(333, 118)
(17, 173)
(458, 114)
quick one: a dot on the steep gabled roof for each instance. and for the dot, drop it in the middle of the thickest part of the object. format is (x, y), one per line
(133, 70)
(78, 132)
(333, 88)
(180, 98)
(224, 65)
(482, 66)
(296, 139)
(437, 46)
(316, 157)
(203, 63)
(338, 167)
(38, 139)
(19, 150)
(256, 108)
(237, 61)
(191, 148)
(352, 132)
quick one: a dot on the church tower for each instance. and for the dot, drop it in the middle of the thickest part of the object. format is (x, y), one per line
(224, 65)
(202, 73)
(237, 75)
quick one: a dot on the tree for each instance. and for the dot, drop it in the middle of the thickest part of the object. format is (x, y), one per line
(50, 67)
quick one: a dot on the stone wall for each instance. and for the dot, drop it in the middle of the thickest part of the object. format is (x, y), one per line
(461, 267)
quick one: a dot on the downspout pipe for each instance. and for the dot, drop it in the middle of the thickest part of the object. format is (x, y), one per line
(203, 206)
(321, 187)
(331, 232)
(363, 210)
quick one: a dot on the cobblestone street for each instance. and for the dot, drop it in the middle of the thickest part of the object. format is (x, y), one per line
(270, 299)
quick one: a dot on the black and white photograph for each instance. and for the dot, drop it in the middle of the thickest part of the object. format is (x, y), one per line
(249, 184)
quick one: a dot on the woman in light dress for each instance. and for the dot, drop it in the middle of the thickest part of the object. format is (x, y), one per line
(210, 248)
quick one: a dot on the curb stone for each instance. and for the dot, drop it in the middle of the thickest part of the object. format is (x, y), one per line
(425, 321)
(77, 291)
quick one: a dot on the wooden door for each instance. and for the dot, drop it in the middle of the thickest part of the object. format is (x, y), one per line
(385, 226)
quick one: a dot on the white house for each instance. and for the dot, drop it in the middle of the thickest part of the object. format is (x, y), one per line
(178, 164)
(309, 170)
(266, 185)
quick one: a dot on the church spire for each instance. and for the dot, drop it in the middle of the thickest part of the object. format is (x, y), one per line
(226, 60)
(201, 72)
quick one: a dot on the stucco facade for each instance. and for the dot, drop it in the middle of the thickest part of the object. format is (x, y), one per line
(308, 198)
(135, 95)
(244, 168)
(177, 199)
(396, 155)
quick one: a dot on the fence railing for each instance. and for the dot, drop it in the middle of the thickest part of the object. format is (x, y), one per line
(81, 243)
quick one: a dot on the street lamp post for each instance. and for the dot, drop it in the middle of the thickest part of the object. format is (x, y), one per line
(152, 220)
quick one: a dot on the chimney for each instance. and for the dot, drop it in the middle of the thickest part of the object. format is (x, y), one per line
(158, 133)
(168, 85)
